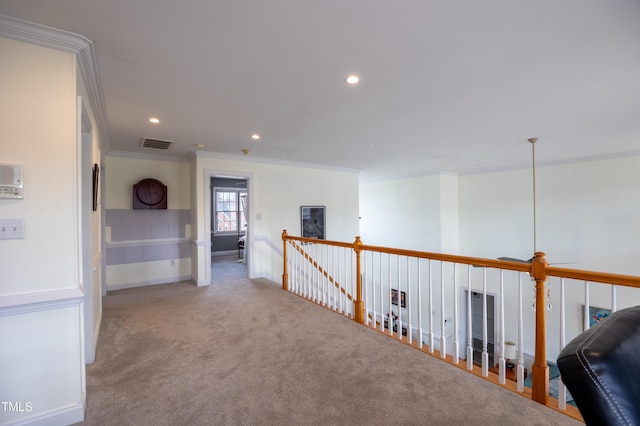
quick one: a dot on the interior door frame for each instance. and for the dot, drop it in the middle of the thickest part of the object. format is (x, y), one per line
(208, 175)
(462, 348)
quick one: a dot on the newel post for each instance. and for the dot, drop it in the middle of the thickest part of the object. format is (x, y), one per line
(540, 379)
(285, 274)
(358, 303)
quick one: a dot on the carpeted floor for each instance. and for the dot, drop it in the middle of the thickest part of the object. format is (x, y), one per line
(244, 352)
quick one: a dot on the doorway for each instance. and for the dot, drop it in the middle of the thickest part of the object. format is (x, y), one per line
(229, 225)
(477, 325)
(228, 215)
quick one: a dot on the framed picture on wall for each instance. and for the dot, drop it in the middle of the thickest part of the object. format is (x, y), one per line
(394, 298)
(312, 219)
(96, 186)
(596, 314)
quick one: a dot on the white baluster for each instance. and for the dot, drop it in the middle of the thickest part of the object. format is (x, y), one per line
(399, 326)
(485, 354)
(469, 323)
(562, 391)
(323, 255)
(586, 306)
(501, 361)
(398, 330)
(419, 307)
(430, 313)
(390, 321)
(614, 301)
(314, 274)
(456, 337)
(373, 295)
(520, 337)
(443, 337)
(381, 294)
(407, 302)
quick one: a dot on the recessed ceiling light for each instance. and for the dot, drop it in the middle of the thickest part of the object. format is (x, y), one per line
(255, 136)
(154, 120)
(199, 145)
(352, 79)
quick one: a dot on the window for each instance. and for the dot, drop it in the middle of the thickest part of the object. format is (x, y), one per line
(229, 210)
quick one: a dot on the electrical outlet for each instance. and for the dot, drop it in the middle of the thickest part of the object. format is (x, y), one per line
(11, 229)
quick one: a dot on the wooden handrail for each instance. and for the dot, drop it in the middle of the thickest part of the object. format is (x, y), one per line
(286, 236)
(596, 277)
(474, 261)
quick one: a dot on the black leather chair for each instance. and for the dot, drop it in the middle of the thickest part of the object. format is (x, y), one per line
(601, 369)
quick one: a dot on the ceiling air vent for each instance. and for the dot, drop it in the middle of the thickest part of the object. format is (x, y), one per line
(155, 143)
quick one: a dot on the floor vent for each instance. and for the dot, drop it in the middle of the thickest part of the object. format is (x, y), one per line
(155, 143)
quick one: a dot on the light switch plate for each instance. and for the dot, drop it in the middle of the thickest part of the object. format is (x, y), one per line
(11, 229)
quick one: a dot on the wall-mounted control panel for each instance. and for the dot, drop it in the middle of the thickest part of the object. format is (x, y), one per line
(11, 181)
(11, 229)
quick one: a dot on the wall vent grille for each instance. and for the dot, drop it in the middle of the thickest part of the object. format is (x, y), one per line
(155, 143)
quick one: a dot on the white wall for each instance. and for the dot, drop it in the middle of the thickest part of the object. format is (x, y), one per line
(41, 355)
(276, 193)
(121, 173)
(408, 213)
(587, 214)
(92, 257)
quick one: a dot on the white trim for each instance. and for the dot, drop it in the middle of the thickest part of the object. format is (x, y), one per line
(234, 157)
(197, 242)
(206, 177)
(147, 156)
(270, 243)
(69, 414)
(129, 243)
(223, 253)
(67, 41)
(16, 304)
(160, 281)
(41, 35)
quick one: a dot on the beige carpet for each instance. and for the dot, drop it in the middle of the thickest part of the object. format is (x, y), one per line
(248, 353)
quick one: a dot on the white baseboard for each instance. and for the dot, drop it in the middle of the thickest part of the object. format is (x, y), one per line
(62, 416)
(223, 253)
(122, 286)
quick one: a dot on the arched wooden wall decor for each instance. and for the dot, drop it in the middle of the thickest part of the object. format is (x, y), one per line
(149, 194)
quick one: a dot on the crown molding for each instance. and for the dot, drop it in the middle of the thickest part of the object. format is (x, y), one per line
(266, 160)
(42, 35)
(67, 41)
(147, 156)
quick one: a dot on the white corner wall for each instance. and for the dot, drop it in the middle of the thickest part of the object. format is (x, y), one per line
(41, 354)
(587, 214)
(416, 213)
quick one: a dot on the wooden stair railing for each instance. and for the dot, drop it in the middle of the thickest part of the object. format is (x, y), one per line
(315, 264)
(538, 269)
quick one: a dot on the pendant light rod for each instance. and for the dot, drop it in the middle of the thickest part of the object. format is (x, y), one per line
(533, 165)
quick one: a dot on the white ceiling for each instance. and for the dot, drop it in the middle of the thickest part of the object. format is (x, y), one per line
(446, 86)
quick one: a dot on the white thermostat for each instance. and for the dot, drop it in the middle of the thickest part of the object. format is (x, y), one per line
(11, 181)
